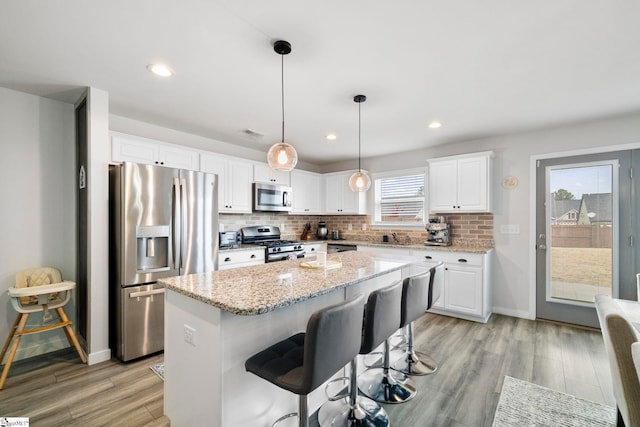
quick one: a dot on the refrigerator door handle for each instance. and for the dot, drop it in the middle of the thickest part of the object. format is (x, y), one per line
(183, 225)
(177, 221)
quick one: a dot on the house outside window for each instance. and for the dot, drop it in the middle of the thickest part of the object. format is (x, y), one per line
(400, 198)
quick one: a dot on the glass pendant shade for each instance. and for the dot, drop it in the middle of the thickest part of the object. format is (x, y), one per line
(359, 181)
(282, 156)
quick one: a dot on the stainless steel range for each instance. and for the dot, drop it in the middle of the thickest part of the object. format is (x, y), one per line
(269, 237)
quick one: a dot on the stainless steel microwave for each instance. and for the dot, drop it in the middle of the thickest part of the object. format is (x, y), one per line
(271, 197)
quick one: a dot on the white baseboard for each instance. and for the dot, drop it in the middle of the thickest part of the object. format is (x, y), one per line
(98, 356)
(511, 312)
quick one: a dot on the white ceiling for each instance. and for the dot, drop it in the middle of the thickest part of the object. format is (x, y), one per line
(482, 68)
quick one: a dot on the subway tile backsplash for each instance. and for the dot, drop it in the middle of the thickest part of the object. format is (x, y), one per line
(467, 229)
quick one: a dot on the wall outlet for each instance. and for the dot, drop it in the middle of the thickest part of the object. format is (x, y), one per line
(350, 227)
(189, 335)
(282, 226)
(364, 227)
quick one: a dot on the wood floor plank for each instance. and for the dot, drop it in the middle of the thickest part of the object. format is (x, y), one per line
(472, 358)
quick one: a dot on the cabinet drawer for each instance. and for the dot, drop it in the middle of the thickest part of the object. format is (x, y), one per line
(240, 257)
(463, 258)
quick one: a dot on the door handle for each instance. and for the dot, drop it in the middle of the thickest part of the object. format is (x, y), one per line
(542, 247)
(177, 220)
(146, 293)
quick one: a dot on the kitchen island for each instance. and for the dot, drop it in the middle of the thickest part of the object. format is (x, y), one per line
(215, 321)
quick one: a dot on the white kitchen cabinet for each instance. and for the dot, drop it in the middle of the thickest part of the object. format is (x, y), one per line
(234, 182)
(310, 249)
(340, 199)
(466, 289)
(263, 173)
(461, 183)
(308, 192)
(237, 258)
(126, 148)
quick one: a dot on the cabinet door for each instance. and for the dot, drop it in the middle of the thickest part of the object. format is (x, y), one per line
(472, 184)
(334, 189)
(179, 158)
(443, 186)
(307, 192)
(240, 176)
(339, 197)
(130, 150)
(217, 165)
(463, 289)
(263, 173)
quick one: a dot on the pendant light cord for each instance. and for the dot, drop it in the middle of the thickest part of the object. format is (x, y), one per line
(359, 132)
(282, 87)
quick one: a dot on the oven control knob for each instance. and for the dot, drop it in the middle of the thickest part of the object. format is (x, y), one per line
(278, 249)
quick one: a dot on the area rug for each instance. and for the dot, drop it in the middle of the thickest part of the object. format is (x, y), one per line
(158, 368)
(525, 404)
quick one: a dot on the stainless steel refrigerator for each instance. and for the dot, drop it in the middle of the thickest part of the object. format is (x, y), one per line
(164, 222)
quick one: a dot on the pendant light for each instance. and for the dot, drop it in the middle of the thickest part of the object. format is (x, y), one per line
(359, 181)
(282, 156)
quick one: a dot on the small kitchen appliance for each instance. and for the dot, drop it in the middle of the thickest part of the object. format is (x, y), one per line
(323, 231)
(438, 232)
(269, 237)
(271, 197)
(229, 239)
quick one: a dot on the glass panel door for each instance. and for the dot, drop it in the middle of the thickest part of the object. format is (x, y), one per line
(583, 207)
(580, 229)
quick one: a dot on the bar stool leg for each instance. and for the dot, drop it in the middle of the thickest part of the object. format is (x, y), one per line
(384, 385)
(413, 362)
(354, 410)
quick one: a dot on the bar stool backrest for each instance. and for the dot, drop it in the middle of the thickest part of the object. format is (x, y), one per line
(381, 317)
(417, 296)
(332, 340)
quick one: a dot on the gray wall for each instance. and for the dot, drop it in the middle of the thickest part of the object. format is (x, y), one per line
(38, 209)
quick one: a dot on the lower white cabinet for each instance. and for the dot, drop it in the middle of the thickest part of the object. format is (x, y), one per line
(466, 289)
(240, 258)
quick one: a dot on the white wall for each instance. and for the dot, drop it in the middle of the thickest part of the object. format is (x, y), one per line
(38, 201)
(513, 271)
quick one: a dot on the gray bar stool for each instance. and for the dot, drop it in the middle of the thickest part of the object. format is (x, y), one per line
(416, 290)
(352, 409)
(381, 320)
(303, 362)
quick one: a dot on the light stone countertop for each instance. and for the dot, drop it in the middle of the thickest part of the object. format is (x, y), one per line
(452, 248)
(470, 248)
(263, 288)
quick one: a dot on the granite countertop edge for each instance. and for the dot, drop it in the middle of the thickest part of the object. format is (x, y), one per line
(263, 308)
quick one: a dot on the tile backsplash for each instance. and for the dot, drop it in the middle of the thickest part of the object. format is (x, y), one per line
(468, 229)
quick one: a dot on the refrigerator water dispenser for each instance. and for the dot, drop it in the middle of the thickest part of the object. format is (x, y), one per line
(153, 248)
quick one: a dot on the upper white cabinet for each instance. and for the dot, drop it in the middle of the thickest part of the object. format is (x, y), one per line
(234, 181)
(125, 148)
(340, 199)
(263, 173)
(308, 194)
(461, 183)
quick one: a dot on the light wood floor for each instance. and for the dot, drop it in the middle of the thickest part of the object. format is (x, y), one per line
(473, 359)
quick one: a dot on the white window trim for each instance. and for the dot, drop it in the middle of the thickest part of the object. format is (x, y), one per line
(372, 200)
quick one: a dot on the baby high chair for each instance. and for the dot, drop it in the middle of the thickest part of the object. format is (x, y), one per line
(38, 290)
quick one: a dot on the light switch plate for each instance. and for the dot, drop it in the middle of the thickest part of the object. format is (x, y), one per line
(510, 229)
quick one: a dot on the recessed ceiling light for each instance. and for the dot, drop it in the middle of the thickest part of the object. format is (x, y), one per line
(435, 125)
(331, 136)
(160, 70)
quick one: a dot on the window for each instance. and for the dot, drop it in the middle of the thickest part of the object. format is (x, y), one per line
(399, 198)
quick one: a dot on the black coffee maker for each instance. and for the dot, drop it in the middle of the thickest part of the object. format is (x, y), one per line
(323, 231)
